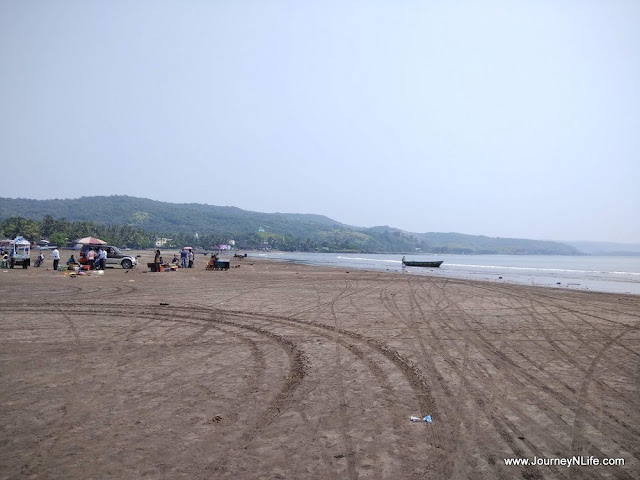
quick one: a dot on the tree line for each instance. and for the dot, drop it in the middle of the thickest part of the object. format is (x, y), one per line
(314, 237)
(61, 231)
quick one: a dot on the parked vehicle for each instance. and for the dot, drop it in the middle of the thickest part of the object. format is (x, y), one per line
(45, 247)
(20, 253)
(115, 256)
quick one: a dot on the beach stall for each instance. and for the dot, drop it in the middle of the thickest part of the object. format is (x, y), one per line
(217, 262)
(90, 241)
(20, 252)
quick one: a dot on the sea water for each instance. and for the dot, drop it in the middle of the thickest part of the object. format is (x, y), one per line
(615, 274)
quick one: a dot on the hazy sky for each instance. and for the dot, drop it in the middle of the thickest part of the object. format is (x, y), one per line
(501, 118)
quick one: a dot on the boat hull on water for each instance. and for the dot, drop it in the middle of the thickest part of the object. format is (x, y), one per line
(434, 264)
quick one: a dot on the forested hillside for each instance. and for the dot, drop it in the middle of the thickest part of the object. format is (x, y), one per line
(138, 222)
(157, 216)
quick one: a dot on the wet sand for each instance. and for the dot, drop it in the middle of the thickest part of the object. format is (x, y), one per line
(274, 370)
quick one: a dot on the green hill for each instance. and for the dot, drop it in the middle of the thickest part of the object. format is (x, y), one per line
(198, 224)
(158, 216)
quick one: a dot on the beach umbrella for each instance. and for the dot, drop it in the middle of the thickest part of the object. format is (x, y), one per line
(91, 241)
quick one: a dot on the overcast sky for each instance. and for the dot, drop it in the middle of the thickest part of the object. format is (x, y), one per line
(499, 118)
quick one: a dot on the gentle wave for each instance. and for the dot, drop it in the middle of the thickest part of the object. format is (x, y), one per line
(495, 267)
(538, 269)
(369, 259)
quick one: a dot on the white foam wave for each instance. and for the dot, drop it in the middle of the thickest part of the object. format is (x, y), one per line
(538, 269)
(360, 259)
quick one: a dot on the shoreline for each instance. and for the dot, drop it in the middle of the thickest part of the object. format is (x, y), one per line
(596, 286)
(506, 276)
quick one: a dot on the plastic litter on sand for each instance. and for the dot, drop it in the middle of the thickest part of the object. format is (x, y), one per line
(426, 419)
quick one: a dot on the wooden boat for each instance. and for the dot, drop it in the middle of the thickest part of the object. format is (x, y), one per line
(434, 264)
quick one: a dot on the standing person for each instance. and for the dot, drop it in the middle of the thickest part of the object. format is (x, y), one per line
(91, 258)
(55, 254)
(190, 258)
(183, 258)
(157, 260)
(102, 257)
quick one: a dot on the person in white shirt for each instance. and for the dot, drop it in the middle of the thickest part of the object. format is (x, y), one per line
(55, 254)
(102, 257)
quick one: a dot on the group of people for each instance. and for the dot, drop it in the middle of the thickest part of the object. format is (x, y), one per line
(186, 259)
(96, 258)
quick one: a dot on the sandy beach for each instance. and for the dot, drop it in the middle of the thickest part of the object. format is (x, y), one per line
(274, 370)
